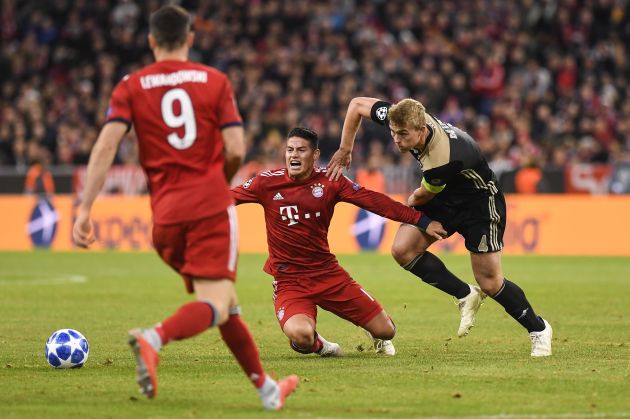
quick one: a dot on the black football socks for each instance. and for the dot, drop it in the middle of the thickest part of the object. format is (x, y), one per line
(431, 270)
(513, 300)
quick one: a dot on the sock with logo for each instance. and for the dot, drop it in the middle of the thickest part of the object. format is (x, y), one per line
(316, 347)
(190, 320)
(513, 300)
(431, 270)
(241, 342)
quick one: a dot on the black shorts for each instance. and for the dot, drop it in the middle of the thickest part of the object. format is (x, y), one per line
(480, 220)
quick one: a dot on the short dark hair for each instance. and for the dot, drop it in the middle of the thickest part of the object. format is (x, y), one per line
(307, 134)
(170, 25)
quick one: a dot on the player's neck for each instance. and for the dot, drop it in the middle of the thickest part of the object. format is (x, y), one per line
(180, 54)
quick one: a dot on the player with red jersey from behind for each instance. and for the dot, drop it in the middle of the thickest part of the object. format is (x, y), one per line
(299, 203)
(191, 143)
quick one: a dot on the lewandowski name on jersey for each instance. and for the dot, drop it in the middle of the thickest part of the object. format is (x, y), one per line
(173, 79)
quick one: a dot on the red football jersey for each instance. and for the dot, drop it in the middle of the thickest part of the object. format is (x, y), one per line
(178, 109)
(298, 214)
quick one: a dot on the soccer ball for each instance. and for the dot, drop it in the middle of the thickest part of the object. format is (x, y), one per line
(67, 348)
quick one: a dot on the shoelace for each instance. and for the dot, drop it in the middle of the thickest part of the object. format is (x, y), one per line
(378, 345)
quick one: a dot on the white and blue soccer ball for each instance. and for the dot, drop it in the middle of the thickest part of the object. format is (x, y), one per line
(67, 348)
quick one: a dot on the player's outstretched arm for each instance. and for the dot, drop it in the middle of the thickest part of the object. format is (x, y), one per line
(101, 160)
(360, 107)
(234, 149)
(384, 206)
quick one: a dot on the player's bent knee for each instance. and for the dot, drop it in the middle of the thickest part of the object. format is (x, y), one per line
(402, 253)
(490, 285)
(301, 334)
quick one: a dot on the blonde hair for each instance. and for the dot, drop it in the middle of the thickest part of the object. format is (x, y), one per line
(407, 113)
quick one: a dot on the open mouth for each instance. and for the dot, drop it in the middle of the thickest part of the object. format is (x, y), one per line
(295, 164)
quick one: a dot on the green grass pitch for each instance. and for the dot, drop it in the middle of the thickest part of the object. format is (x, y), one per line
(488, 374)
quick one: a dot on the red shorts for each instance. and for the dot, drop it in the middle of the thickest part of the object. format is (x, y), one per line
(205, 248)
(336, 292)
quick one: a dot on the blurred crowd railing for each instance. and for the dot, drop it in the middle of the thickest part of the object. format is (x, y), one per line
(129, 180)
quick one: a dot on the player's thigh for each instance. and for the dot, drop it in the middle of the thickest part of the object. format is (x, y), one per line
(347, 299)
(291, 301)
(212, 247)
(484, 224)
(170, 244)
(409, 242)
(299, 327)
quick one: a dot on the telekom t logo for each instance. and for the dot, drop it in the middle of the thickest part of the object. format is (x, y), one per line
(292, 214)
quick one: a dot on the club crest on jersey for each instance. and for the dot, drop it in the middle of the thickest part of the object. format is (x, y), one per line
(381, 113)
(280, 313)
(317, 190)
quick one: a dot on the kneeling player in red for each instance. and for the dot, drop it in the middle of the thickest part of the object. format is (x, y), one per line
(299, 202)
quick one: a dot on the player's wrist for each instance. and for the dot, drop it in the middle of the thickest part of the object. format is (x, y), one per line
(423, 222)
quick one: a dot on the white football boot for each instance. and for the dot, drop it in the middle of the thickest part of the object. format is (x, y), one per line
(329, 348)
(381, 346)
(541, 341)
(468, 308)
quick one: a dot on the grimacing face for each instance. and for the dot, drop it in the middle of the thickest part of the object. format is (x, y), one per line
(407, 138)
(300, 158)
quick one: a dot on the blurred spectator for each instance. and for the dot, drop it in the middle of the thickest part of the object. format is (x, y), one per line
(39, 180)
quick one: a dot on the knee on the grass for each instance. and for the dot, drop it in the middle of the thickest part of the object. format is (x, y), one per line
(301, 334)
(384, 330)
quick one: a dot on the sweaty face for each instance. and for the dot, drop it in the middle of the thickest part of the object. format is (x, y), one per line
(407, 138)
(300, 158)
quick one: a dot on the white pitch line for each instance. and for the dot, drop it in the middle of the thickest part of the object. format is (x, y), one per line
(524, 416)
(56, 280)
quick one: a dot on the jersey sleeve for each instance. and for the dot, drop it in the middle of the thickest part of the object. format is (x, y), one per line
(227, 108)
(376, 202)
(380, 112)
(247, 192)
(120, 104)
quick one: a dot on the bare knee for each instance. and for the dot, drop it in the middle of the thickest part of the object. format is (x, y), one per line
(301, 334)
(386, 333)
(489, 284)
(403, 254)
(381, 327)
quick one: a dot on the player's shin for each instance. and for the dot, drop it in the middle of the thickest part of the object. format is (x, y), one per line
(190, 320)
(430, 269)
(237, 337)
(513, 300)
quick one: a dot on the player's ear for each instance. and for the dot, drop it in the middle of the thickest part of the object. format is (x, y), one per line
(152, 42)
(316, 154)
(190, 39)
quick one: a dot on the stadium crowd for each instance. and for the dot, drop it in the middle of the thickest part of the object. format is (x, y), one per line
(538, 83)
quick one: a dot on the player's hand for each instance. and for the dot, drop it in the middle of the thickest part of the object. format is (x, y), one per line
(436, 230)
(413, 200)
(82, 231)
(339, 161)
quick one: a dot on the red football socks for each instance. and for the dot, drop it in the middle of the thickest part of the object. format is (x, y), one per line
(190, 320)
(240, 341)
